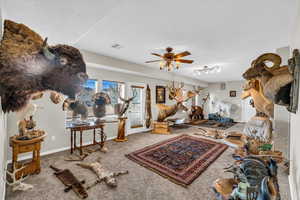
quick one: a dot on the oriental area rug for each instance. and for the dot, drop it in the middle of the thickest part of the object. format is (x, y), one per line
(180, 159)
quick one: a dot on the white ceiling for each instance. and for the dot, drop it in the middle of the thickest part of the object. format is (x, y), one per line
(227, 33)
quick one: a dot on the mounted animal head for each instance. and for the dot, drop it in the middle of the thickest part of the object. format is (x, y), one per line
(173, 89)
(28, 65)
(259, 68)
(179, 97)
(65, 70)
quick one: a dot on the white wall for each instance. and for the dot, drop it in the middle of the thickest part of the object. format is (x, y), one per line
(295, 125)
(52, 119)
(216, 94)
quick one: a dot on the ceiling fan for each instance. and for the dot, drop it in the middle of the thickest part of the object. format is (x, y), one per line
(169, 59)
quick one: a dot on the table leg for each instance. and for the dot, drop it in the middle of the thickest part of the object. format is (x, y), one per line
(94, 136)
(81, 143)
(71, 141)
(15, 158)
(75, 138)
(103, 138)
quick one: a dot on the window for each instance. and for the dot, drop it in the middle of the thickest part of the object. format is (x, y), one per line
(113, 89)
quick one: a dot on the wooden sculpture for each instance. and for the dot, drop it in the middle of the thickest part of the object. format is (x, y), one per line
(102, 173)
(28, 65)
(148, 113)
(122, 118)
(70, 181)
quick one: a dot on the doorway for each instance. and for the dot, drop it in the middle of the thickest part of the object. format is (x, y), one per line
(136, 110)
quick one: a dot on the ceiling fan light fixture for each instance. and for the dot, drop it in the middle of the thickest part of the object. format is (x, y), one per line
(170, 60)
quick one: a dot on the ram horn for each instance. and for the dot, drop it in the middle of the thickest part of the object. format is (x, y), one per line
(46, 52)
(274, 58)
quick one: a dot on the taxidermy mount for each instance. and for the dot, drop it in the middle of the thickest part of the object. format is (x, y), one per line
(28, 65)
(274, 82)
(77, 107)
(100, 100)
(166, 111)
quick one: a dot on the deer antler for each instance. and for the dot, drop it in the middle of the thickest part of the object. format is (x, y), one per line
(197, 89)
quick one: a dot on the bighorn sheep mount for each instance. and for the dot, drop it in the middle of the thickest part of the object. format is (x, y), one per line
(268, 85)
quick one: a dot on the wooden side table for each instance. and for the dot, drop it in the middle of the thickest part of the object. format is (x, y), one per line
(80, 129)
(24, 146)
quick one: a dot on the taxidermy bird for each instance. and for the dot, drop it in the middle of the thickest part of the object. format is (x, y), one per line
(100, 100)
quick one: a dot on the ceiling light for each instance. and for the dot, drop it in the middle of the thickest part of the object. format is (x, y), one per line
(208, 70)
(116, 46)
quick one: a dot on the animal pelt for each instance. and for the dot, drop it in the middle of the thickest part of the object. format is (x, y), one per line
(28, 65)
(102, 173)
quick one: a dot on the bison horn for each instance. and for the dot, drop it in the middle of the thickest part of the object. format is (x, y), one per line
(46, 52)
(274, 58)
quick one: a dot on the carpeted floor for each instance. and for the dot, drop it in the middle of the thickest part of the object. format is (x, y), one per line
(140, 183)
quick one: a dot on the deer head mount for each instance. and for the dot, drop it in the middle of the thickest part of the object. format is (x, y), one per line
(177, 94)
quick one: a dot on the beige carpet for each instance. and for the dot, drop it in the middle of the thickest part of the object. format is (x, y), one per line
(139, 184)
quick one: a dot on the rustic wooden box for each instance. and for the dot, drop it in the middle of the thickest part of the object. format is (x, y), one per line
(161, 128)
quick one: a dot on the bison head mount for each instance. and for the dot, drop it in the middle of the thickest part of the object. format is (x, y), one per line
(28, 65)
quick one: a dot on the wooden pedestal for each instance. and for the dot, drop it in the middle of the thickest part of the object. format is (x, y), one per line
(121, 130)
(161, 128)
(24, 146)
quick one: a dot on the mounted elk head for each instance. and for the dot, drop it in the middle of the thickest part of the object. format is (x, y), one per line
(173, 89)
(167, 111)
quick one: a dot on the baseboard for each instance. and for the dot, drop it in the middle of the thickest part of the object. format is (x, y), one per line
(52, 151)
(293, 189)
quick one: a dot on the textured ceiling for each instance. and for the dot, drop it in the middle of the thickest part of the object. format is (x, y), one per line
(226, 33)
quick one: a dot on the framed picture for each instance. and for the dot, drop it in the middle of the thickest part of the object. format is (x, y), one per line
(232, 93)
(160, 94)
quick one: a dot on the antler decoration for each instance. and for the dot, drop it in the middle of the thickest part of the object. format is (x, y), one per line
(126, 103)
(173, 90)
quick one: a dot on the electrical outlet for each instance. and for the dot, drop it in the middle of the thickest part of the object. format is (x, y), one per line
(53, 138)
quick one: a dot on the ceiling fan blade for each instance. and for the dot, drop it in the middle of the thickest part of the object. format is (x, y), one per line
(151, 61)
(156, 54)
(182, 54)
(184, 61)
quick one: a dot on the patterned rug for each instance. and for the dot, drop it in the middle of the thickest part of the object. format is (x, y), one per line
(180, 159)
